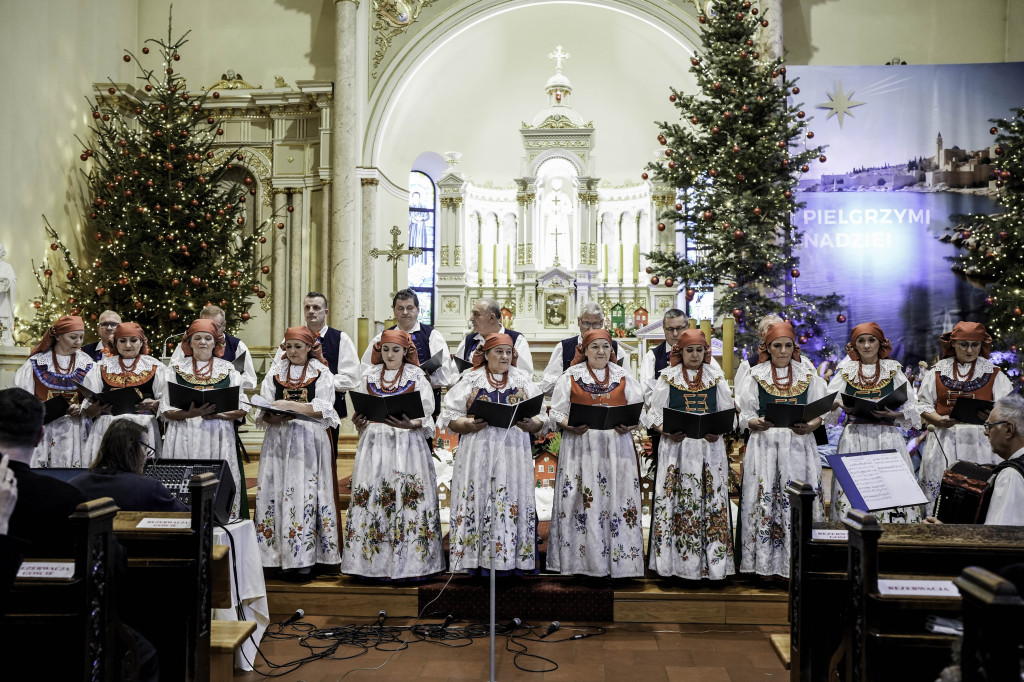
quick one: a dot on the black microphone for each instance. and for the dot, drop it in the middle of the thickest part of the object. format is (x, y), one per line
(938, 441)
(299, 613)
(551, 628)
(381, 615)
(447, 621)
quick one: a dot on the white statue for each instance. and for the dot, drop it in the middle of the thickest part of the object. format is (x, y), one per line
(8, 294)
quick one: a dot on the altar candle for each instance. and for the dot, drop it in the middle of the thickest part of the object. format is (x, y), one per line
(636, 263)
(480, 263)
(606, 263)
(728, 341)
(705, 326)
(508, 263)
(622, 264)
(494, 266)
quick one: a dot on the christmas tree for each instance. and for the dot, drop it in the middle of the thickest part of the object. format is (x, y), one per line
(992, 244)
(167, 210)
(735, 158)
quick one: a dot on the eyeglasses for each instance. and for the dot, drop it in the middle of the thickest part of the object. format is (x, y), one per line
(989, 425)
(967, 345)
(591, 325)
(150, 450)
(109, 325)
(676, 330)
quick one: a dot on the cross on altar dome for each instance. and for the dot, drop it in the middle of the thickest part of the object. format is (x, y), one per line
(559, 56)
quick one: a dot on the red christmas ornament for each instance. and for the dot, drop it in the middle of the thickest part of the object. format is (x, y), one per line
(764, 23)
(202, 245)
(138, 305)
(1005, 175)
(714, 130)
(255, 288)
(261, 294)
(83, 157)
(802, 339)
(71, 275)
(191, 225)
(810, 134)
(796, 91)
(263, 240)
(48, 272)
(744, 108)
(738, 234)
(804, 169)
(840, 318)
(787, 194)
(733, 285)
(794, 273)
(668, 152)
(702, 19)
(36, 304)
(690, 293)
(245, 317)
(713, 173)
(716, 85)
(737, 313)
(662, 139)
(989, 300)
(175, 282)
(739, 16)
(125, 264)
(695, 61)
(655, 280)
(743, 54)
(669, 282)
(679, 207)
(648, 269)
(176, 57)
(727, 225)
(661, 227)
(291, 209)
(280, 226)
(643, 176)
(999, 151)
(253, 191)
(220, 131)
(233, 284)
(768, 265)
(707, 215)
(1016, 312)
(672, 164)
(265, 270)
(754, 10)
(173, 315)
(672, 98)
(1003, 234)
(822, 158)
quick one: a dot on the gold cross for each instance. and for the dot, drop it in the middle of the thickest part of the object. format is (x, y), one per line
(556, 234)
(393, 254)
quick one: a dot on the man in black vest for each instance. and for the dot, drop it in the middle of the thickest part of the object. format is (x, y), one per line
(105, 327)
(673, 323)
(234, 347)
(428, 342)
(591, 317)
(486, 319)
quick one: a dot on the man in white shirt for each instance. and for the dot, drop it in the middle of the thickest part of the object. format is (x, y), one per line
(1005, 430)
(591, 317)
(673, 323)
(234, 347)
(486, 319)
(428, 342)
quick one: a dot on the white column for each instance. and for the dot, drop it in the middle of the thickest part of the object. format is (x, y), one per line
(298, 227)
(279, 267)
(369, 187)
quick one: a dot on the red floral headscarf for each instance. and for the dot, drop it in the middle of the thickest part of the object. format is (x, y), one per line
(306, 335)
(490, 342)
(402, 339)
(589, 338)
(872, 328)
(203, 325)
(966, 331)
(64, 325)
(131, 329)
(774, 331)
(689, 337)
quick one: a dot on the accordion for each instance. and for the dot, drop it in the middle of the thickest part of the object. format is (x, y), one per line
(964, 493)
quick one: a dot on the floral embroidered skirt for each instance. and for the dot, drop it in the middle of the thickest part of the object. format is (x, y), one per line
(296, 522)
(505, 521)
(63, 444)
(595, 519)
(868, 438)
(774, 459)
(393, 529)
(199, 438)
(691, 533)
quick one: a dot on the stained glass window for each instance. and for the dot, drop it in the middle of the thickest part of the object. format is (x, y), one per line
(422, 229)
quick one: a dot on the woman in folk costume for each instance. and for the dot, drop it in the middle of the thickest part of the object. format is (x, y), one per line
(198, 432)
(54, 368)
(964, 371)
(691, 535)
(296, 520)
(131, 367)
(492, 463)
(869, 373)
(595, 521)
(775, 457)
(393, 529)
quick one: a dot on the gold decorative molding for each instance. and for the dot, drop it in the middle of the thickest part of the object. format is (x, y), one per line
(393, 18)
(593, 254)
(529, 252)
(583, 252)
(369, 181)
(233, 81)
(451, 304)
(520, 254)
(458, 255)
(444, 255)
(451, 202)
(588, 197)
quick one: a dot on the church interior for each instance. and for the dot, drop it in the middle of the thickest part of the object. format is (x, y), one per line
(467, 150)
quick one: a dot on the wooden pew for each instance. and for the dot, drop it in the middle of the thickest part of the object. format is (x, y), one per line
(993, 612)
(819, 572)
(170, 576)
(74, 618)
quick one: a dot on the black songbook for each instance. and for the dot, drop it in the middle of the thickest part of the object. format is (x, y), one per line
(966, 409)
(862, 407)
(433, 364)
(602, 417)
(55, 408)
(239, 362)
(259, 403)
(697, 425)
(121, 400)
(785, 415)
(461, 364)
(379, 408)
(182, 397)
(503, 416)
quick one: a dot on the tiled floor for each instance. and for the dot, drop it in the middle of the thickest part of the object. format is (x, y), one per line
(647, 653)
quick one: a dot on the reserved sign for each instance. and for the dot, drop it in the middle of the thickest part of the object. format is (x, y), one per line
(830, 534)
(153, 522)
(47, 569)
(929, 588)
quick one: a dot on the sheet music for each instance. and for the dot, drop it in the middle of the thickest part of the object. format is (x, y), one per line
(884, 480)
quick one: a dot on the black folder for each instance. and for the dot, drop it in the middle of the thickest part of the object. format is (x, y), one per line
(966, 409)
(862, 407)
(182, 397)
(784, 415)
(461, 364)
(379, 408)
(602, 417)
(121, 400)
(697, 425)
(503, 416)
(260, 404)
(55, 408)
(432, 364)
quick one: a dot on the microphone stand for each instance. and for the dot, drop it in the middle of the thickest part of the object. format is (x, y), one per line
(164, 356)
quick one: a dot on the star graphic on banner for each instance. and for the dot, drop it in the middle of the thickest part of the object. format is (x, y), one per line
(839, 104)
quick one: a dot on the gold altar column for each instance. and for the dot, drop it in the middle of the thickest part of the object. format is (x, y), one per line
(344, 258)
